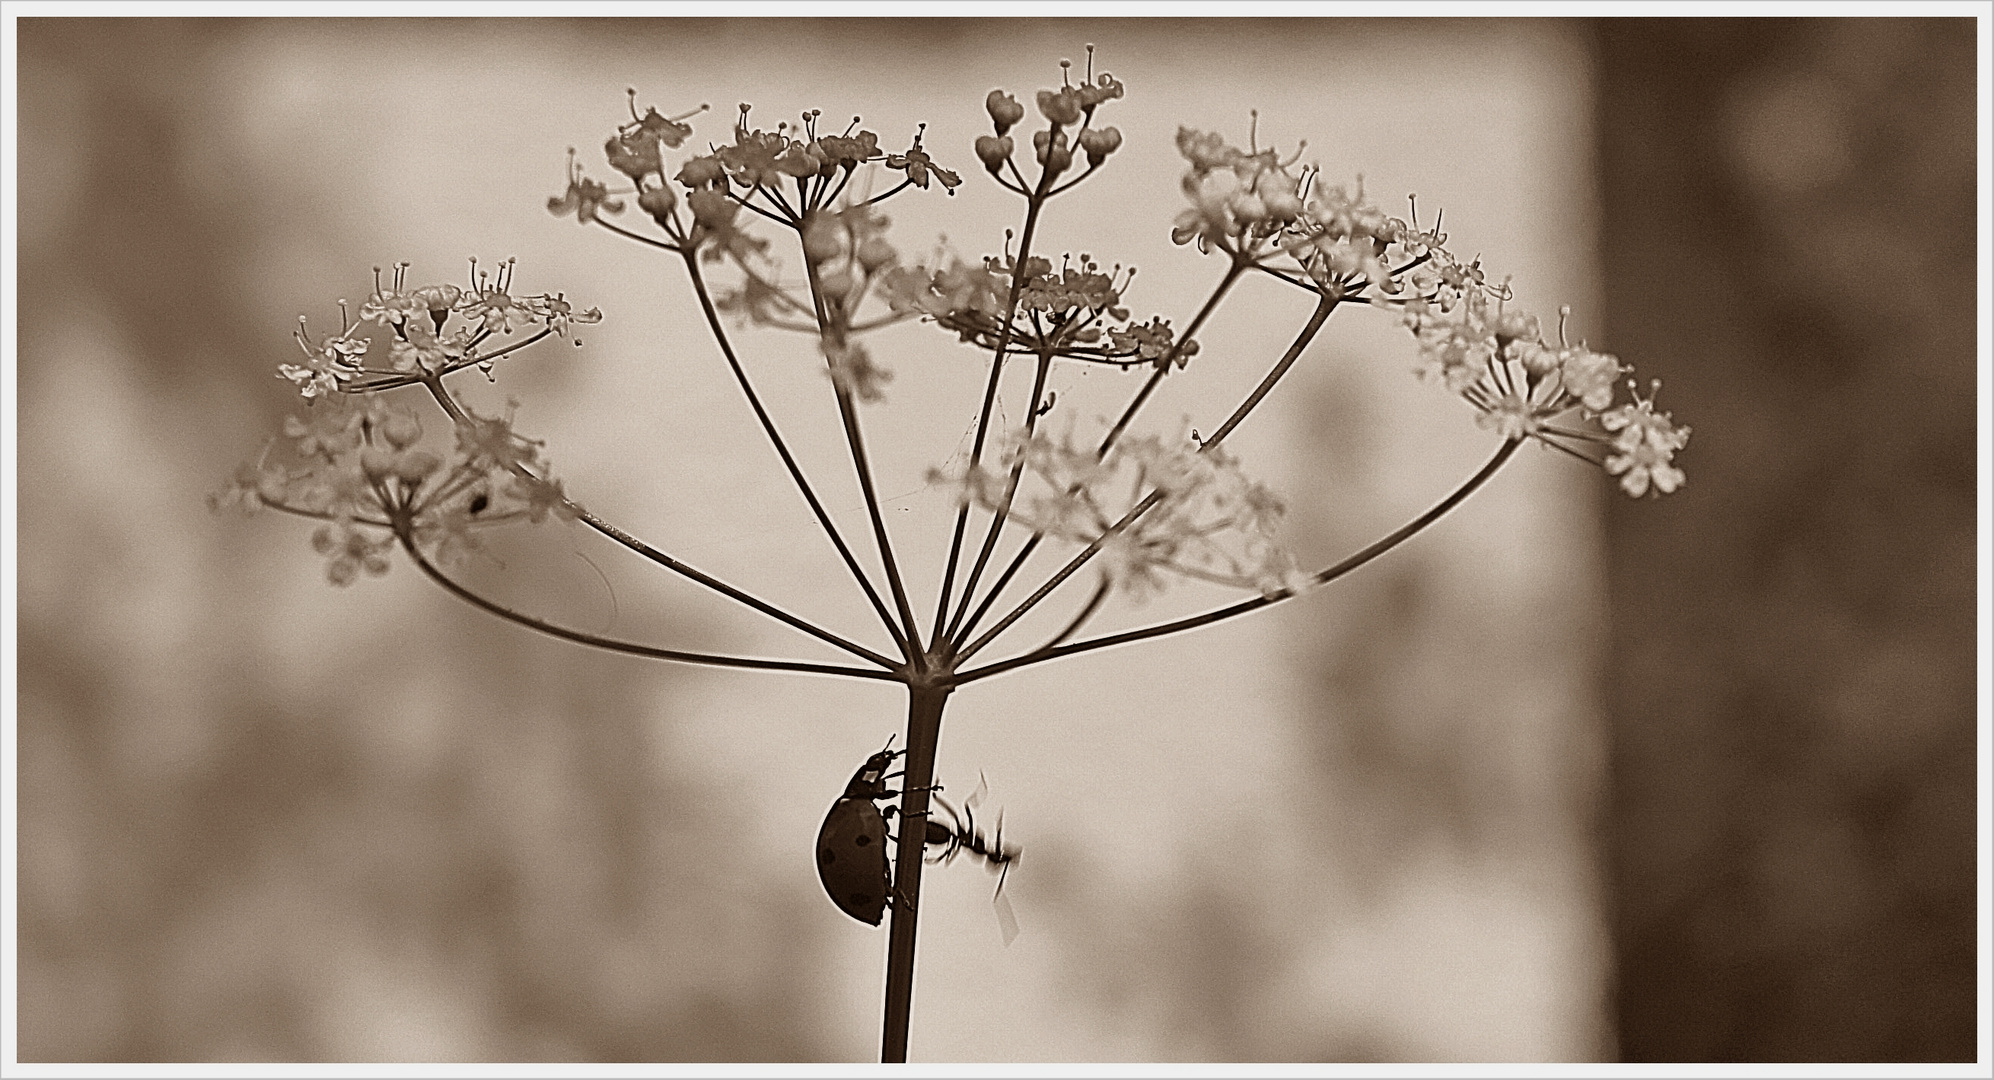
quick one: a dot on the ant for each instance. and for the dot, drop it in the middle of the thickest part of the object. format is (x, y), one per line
(963, 836)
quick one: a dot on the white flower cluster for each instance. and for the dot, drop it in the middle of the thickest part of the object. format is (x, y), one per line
(361, 469)
(1494, 356)
(1202, 517)
(1249, 205)
(1238, 198)
(433, 330)
(1074, 310)
(851, 262)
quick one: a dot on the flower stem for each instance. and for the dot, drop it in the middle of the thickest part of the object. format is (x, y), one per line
(1003, 510)
(1164, 362)
(834, 335)
(782, 451)
(691, 573)
(960, 630)
(997, 587)
(1316, 319)
(1322, 577)
(1280, 368)
(1034, 202)
(629, 647)
(924, 726)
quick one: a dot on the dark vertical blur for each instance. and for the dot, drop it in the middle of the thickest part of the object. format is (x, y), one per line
(1789, 241)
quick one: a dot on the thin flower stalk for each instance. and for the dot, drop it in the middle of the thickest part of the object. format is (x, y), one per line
(630, 648)
(1176, 352)
(1034, 202)
(855, 442)
(1294, 351)
(1322, 577)
(788, 459)
(691, 573)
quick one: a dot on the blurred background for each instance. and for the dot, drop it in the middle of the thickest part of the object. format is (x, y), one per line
(1568, 777)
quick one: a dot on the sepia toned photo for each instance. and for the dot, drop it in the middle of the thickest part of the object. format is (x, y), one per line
(1117, 540)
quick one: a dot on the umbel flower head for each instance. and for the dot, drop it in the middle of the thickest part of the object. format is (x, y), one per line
(1069, 113)
(1494, 356)
(1074, 310)
(769, 161)
(1470, 337)
(1343, 242)
(1644, 444)
(431, 331)
(358, 466)
(1239, 198)
(585, 198)
(1202, 517)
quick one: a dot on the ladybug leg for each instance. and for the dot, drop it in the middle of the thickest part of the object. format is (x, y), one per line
(887, 814)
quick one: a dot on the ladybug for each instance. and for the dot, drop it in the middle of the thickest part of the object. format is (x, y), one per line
(851, 847)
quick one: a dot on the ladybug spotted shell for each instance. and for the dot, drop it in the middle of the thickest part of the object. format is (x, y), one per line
(851, 859)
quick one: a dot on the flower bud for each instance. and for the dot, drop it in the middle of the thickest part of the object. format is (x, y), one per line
(797, 162)
(701, 171)
(875, 253)
(378, 460)
(994, 150)
(1103, 89)
(838, 285)
(1052, 151)
(1537, 360)
(822, 239)
(416, 467)
(1277, 190)
(1513, 325)
(1590, 376)
(401, 430)
(1099, 143)
(634, 155)
(439, 300)
(1060, 106)
(1004, 110)
(659, 203)
(712, 208)
(272, 487)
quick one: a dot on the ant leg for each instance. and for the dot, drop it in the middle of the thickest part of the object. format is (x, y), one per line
(1007, 920)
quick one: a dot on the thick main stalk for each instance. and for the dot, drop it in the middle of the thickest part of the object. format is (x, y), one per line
(924, 726)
